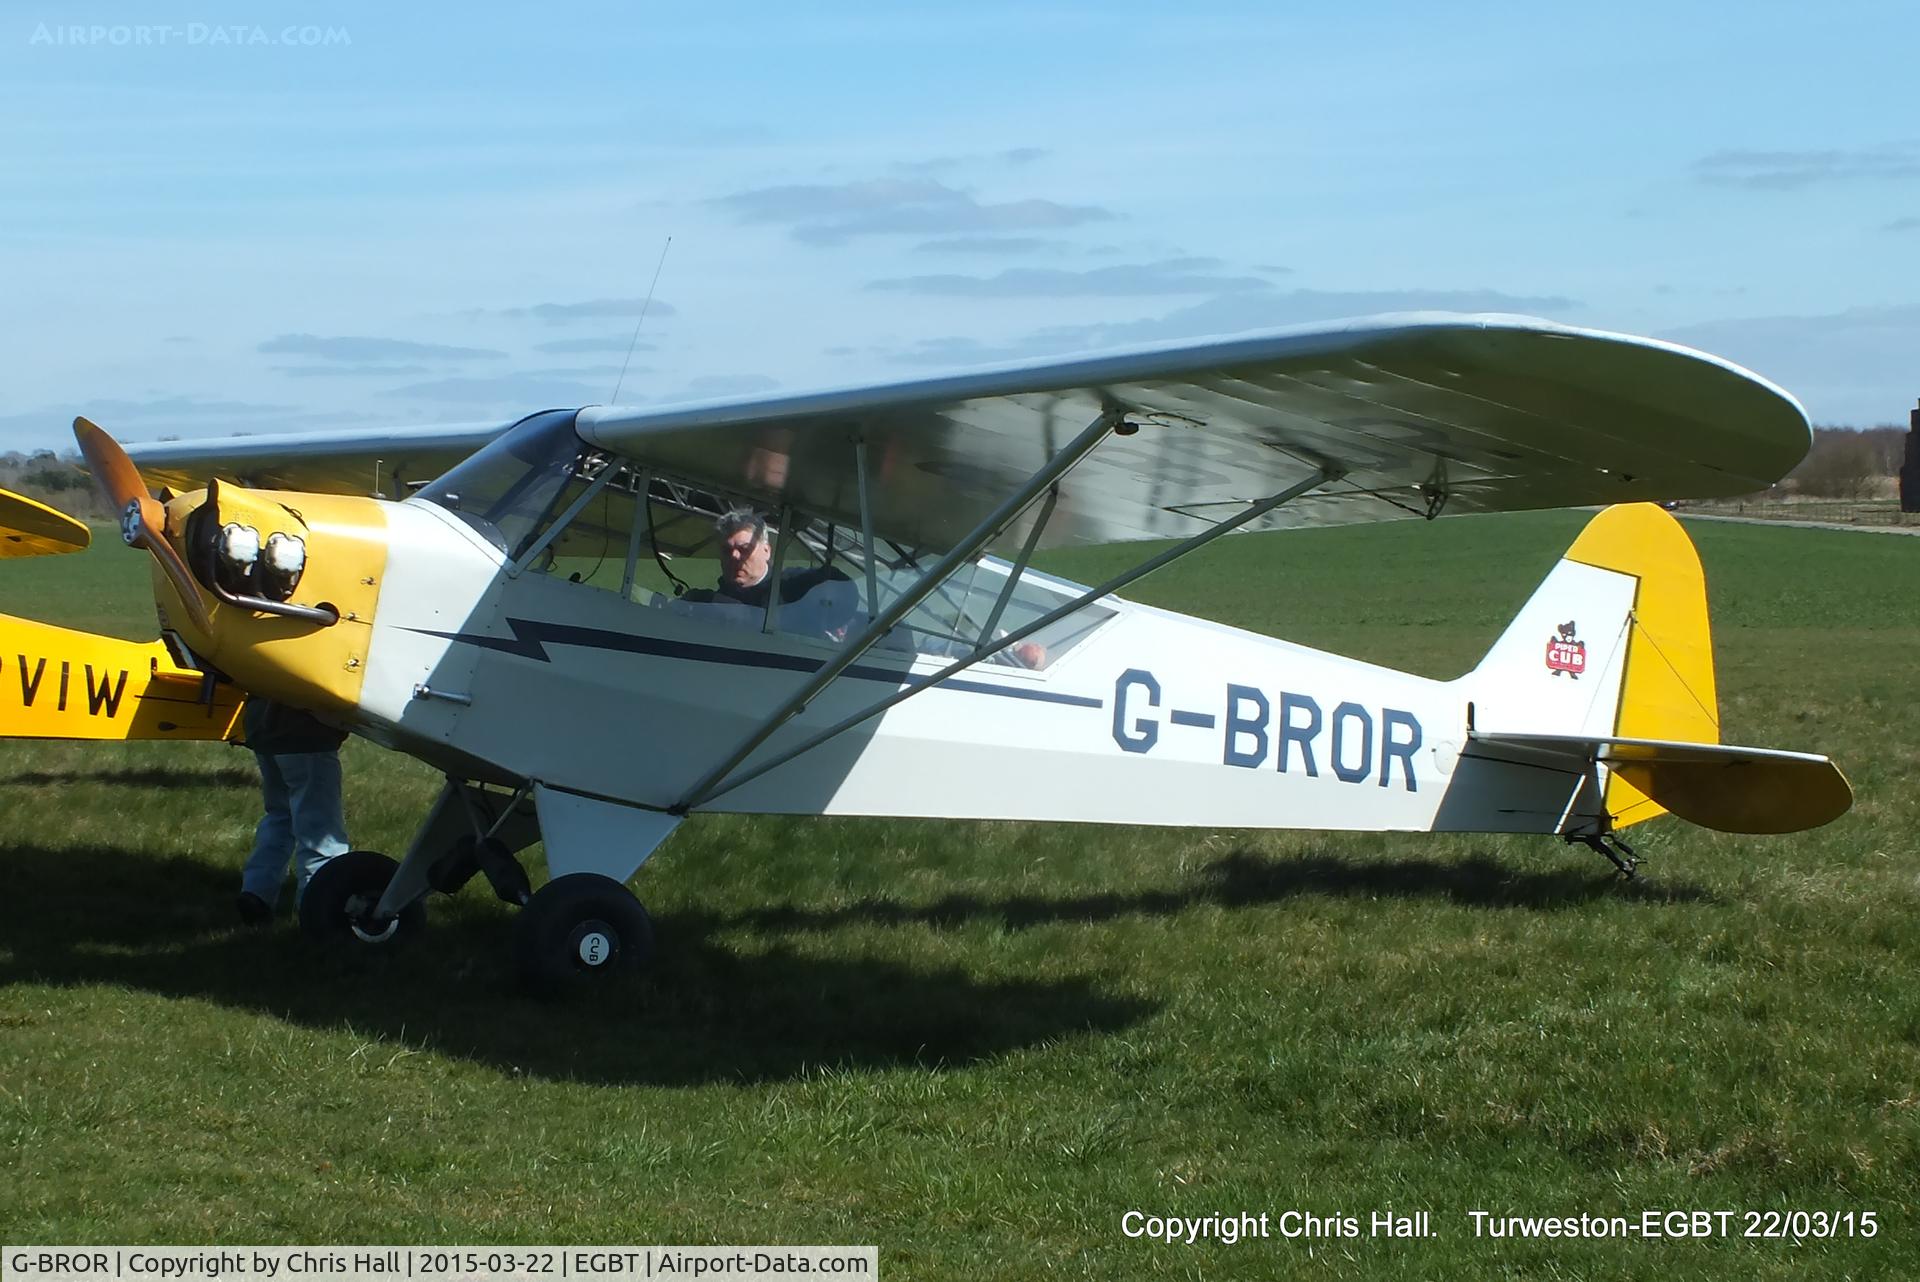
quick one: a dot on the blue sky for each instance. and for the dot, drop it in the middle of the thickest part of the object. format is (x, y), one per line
(269, 217)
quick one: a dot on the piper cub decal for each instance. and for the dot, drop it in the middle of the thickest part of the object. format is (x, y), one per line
(1566, 653)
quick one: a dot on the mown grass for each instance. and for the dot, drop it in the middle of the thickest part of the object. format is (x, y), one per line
(977, 1045)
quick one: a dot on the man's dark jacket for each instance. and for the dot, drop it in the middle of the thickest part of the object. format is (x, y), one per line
(274, 728)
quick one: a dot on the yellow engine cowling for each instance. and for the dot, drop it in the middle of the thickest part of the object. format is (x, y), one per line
(297, 660)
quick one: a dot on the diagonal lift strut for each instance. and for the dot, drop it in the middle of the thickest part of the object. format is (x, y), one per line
(718, 783)
(969, 547)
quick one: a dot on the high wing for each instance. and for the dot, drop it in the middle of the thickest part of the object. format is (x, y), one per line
(1415, 414)
(389, 461)
(1422, 413)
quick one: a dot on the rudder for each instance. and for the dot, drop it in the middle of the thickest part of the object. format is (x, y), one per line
(1615, 643)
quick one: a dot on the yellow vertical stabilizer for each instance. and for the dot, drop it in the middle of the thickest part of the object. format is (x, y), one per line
(56, 683)
(1667, 691)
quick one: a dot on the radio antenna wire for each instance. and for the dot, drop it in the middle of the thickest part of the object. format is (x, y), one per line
(635, 341)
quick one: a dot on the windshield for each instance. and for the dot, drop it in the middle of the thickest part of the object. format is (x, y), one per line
(508, 490)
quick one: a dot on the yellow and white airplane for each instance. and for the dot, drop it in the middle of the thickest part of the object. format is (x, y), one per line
(510, 604)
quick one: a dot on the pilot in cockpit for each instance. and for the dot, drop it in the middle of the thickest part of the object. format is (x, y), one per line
(817, 601)
(821, 602)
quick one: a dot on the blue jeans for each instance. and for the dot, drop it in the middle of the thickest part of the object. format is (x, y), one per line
(303, 824)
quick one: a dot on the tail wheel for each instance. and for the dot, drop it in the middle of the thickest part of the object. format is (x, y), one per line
(581, 927)
(342, 894)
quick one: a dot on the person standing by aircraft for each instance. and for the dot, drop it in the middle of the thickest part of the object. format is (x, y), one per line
(299, 758)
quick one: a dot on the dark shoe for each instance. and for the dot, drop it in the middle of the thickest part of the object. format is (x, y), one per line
(254, 911)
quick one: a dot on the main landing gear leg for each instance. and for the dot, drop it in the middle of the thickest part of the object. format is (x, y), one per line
(343, 897)
(582, 924)
(363, 895)
(469, 830)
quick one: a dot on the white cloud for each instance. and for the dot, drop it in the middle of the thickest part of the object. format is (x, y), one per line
(1791, 170)
(592, 309)
(358, 349)
(824, 214)
(1172, 276)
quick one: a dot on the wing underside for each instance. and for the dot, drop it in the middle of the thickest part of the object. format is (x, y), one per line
(388, 463)
(1417, 415)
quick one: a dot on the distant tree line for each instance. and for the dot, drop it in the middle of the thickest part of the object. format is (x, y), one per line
(55, 480)
(1850, 463)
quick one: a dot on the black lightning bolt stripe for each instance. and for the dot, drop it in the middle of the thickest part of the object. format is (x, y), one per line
(532, 636)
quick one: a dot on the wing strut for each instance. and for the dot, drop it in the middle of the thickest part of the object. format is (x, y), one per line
(866, 526)
(968, 548)
(1019, 566)
(643, 492)
(708, 791)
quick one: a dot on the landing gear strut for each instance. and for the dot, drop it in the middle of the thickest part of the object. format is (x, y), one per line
(582, 924)
(342, 899)
(489, 855)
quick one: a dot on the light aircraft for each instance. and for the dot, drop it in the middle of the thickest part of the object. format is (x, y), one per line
(510, 604)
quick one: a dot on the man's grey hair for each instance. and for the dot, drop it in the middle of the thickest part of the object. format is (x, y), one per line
(742, 518)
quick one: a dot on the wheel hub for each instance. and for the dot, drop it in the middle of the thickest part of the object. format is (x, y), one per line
(365, 926)
(594, 944)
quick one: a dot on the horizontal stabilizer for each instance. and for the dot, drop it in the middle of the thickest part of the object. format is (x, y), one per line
(1716, 785)
(31, 528)
(63, 684)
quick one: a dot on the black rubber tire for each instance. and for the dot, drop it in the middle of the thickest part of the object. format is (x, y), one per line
(345, 887)
(579, 929)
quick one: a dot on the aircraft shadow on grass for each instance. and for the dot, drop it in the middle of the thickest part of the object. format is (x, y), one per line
(706, 1012)
(1242, 879)
(140, 777)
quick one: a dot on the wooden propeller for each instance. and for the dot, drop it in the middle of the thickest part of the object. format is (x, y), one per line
(143, 521)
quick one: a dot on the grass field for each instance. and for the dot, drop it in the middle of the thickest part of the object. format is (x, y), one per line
(979, 1045)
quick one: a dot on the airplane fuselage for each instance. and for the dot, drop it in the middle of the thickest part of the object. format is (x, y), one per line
(1153, 717)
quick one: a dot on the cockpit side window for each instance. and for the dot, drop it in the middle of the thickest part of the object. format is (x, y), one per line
(586, 535)
(975, 607)
(614, 524)
(557, 506)
(971, 609)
